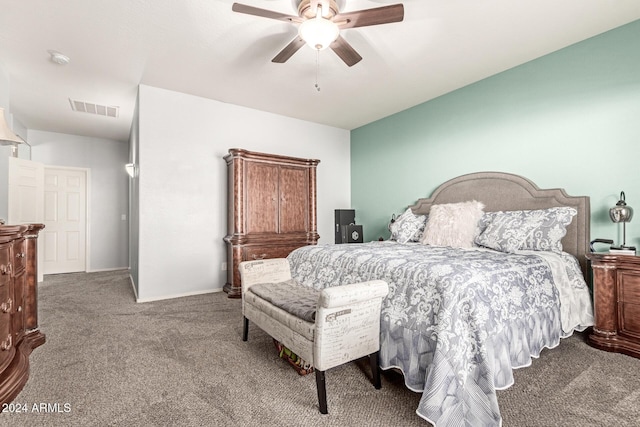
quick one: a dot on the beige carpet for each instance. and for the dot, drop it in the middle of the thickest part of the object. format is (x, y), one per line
(111, 362)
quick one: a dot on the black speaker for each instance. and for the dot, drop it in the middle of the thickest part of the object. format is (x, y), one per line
(346, 218)
(352, 233)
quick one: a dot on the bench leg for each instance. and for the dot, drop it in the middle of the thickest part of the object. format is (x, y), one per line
(322, 392)
(245, 328)
(374, 360)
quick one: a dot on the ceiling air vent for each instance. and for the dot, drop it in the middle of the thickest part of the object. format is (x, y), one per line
(93, 108)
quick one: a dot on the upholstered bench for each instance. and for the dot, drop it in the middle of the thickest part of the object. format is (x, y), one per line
(326, 328)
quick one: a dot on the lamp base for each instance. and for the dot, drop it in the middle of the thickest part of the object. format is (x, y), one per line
(631, 250)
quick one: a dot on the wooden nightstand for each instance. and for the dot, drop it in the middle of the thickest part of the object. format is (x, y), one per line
(616, 296)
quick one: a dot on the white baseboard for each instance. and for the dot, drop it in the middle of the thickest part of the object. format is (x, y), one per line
(186, 294)
(107, 269)
(133, 286)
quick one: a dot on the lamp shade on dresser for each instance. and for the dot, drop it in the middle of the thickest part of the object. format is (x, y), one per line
(19, 333)
(271, 208)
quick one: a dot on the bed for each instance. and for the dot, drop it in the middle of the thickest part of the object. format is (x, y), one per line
(461, 314)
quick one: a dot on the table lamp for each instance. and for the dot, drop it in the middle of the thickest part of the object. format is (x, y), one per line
(622, 213)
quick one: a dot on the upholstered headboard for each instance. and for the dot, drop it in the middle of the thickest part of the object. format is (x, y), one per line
(508, 192)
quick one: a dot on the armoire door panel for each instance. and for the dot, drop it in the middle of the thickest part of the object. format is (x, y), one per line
(262, 198)
(294, 200)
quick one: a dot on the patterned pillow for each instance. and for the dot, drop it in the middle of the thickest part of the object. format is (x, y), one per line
(487, 217)
(548, 236)
(538, 230)
(408, 227)
(453, 224)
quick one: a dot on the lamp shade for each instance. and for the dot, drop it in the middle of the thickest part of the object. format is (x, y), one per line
(621, 212)
(7, 137)
(132, 169)
(318, 32)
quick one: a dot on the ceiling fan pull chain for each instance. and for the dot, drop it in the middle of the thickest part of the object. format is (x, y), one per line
(317, 68)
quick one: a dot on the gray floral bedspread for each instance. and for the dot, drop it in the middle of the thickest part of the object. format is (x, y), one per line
(457, 322)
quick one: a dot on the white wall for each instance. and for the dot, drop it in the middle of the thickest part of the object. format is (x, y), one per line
(108, 192)
(134, 201)
(182, 183)
(18, 128)
(5, 152)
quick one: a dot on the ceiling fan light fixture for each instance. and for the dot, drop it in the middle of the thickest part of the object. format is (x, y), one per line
(318, 32)
(320, 23)
(58, 57)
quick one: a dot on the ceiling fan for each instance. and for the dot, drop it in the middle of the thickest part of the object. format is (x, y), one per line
(320, 24)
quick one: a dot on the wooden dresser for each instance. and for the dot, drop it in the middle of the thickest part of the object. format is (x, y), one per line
(271, 209)
(616, 296)
(19, 333)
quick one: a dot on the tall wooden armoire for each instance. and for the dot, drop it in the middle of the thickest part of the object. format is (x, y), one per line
(271, 209)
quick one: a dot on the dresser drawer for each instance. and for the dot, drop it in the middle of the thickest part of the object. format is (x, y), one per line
(266, 252)
(628, 287)
(5, 260)
(6, 302)
(6, 350)
(19, 261)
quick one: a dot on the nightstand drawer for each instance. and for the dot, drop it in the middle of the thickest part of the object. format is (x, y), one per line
(629, 287)
(630, 319)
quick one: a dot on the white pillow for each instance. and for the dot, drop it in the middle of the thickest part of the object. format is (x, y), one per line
(453, 224)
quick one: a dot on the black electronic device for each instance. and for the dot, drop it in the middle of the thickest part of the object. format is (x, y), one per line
(352, 233)
(343, 217)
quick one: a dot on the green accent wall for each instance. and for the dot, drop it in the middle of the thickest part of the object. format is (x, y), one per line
(570, 119)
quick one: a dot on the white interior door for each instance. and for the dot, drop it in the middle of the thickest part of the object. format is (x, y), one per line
(65, 220)
(26, 197)
(26, 189)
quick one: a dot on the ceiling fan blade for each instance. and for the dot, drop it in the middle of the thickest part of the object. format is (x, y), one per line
(256, 11)
(368, 17)
(345, 51)
(289, 50)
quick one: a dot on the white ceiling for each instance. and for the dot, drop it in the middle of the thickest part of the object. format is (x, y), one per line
(201, 47)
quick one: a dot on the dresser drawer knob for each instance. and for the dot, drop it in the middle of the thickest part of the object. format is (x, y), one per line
(261, 256)
(6, 344)
(6, 306)
(5, 269)
(20, 255)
